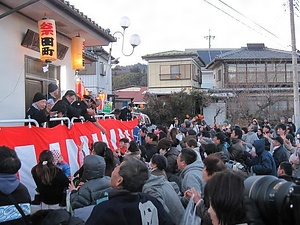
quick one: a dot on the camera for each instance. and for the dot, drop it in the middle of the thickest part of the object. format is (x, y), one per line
(276, 201)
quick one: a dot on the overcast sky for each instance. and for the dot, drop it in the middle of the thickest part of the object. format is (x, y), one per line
(165, 25)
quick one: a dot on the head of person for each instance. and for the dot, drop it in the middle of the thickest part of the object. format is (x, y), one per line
(9, 161)
(282, 120)
(94, 167)
(290, 120)
(151, 137)
(117, 113)
(191, 143)
(130, 175)
(212, 164)
(134, 149)
(186, 157)
(277, 141)
(226, 123)
(130, 106)
(285, 168)
(266, 129)
(143, 131)
(99, 148)
(163, 146)
(236, 133)
(191, 132)
(124, 143)
(176, 120)
(53, 89)
(210, 148)
(40, 100)
(70, 95)
(219, 138)
(225, 191)
(50, 103)
(57, 157)
(158, 162)
(45, 167)
(259, 146)
(89, 101)
(281, 129)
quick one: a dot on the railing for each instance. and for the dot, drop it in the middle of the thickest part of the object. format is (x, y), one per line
(77, 118)
(61, 119)
(29, 121)
(106, 116)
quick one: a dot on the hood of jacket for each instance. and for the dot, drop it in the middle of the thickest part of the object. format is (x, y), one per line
(196, 166)
(94, 167)
(154, 181)
(259, 146)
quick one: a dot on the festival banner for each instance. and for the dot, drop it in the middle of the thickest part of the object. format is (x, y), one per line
(30, 142)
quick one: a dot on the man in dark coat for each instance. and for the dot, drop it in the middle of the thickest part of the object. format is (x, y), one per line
(126, 112)
(65, 103)
(280, 153)
(126, 204)
(263, 163)
(11, 186)
(38, 110)
(87, 112)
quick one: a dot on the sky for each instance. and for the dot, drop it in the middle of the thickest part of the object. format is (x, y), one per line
(165, 25)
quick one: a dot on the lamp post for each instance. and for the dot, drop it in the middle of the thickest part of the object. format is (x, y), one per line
(134, 39)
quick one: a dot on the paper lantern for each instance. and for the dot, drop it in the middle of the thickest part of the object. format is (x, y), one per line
(77, 49)
(47, 36)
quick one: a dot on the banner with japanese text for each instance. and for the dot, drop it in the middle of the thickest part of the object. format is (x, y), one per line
(30, 142)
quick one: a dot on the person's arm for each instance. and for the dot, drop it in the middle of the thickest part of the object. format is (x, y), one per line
(97, 124)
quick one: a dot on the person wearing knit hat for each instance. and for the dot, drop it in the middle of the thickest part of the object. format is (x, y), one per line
(59, 161)
(38, 110)
(53, 92)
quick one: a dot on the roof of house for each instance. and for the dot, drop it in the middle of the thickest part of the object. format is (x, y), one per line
(135, 93)
(69, 20)
(174, 54)
(253, 52)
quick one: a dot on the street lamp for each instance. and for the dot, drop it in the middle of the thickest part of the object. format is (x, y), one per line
(134, 39)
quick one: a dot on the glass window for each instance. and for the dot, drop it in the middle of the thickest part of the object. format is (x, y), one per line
(231, 77)
(231, 68)
(241, 78)
(175, 72)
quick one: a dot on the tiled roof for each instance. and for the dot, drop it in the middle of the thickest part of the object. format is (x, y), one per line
(253, 52)
(170, 53)
(175, 54)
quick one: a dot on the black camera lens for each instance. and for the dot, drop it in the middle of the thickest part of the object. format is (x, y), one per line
(272, 197)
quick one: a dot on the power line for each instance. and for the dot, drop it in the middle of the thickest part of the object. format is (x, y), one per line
(248, 19)
(241, 22)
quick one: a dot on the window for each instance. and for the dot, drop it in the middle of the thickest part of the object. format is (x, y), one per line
(219, 75)
(175, 72)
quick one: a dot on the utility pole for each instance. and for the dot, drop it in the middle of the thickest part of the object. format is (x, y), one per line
(294, 66)
(209, 37)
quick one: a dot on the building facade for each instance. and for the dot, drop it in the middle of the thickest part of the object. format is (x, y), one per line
(173, 71)
(21, 68)
(254, 81)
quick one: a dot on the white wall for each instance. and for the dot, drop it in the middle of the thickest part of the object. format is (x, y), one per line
(12, 74)
(210, 111)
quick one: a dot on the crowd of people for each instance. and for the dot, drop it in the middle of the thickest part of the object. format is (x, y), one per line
(152, 178)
